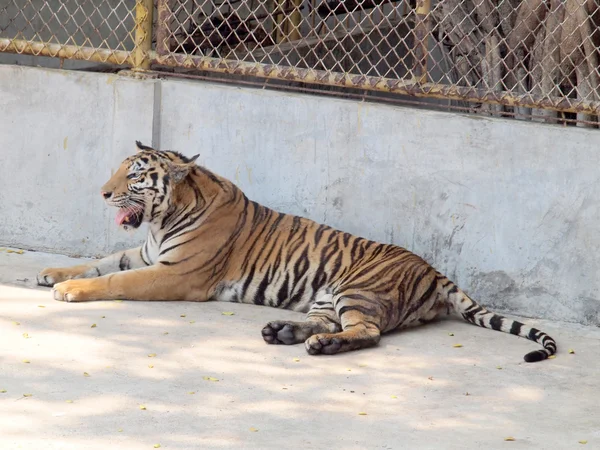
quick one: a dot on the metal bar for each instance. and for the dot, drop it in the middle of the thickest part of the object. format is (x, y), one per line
(421, 33)
(406, 87)
(20, 46)
(143, 33)
(279, 30)
(293, 23)
(346, 94)
(163, 32)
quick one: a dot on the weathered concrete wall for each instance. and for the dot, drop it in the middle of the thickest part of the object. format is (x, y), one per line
(510, 210)
(62, 133)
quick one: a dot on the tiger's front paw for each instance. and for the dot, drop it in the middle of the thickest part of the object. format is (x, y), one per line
(51, 276)
(72, 291)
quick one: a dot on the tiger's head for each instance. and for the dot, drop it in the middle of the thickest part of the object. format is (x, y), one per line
(142, 186)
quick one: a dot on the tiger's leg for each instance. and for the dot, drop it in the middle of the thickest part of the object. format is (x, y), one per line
(361, 324)
(126, 260)
(149, 283)
(321, 318)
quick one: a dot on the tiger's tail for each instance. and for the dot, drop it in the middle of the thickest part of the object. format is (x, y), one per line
(476, 314)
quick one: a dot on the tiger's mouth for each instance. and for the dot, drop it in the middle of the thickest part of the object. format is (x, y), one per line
(130, 216)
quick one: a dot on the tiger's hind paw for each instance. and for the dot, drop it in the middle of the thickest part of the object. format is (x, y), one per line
(280, 333)
(323, 344)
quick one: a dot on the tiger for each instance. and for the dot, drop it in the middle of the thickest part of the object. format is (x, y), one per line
(207, 241)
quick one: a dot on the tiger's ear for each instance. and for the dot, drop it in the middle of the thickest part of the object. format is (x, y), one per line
(178, 172)
(141, 146)
(194, 158)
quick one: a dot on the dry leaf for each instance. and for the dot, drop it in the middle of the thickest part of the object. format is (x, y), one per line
(103, 317)
(93, 325)
(26, 336)
(210, 379)
(362, 365)
(457, 345)
(182, 315)
(118, 301)
(151, 355)
(27, 395)
(156, 445)
(17, 323)
(166, 332)
(151, 366)
(120, 430)
(68, 401)
(571, 351)
(498, 367)
(143, 407)
(296, 359)
(551, 356)
(362, 413)
(192, 321)
(510, 438)
(228, 313)
(41, 306)
(349, 370)
(191, 393)
(582, 442)
(254, 430)
(394, 396)
(85, 374)
(430, 378)
(2, 391)
(450, 334)
(26, 361)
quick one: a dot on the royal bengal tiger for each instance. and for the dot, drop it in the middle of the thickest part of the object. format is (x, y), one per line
(208, 241)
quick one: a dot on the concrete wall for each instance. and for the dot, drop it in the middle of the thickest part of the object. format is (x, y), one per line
(508, 209)
(62, 133)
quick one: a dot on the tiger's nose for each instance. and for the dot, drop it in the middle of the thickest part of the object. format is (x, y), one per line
(106, 195)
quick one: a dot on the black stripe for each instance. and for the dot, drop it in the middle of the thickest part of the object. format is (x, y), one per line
(259, 297)
(248, 280)
(142, 254)
(283, 293)
(420, 302)
(533, 334)
(301, 266)
(346, 239)
(496, 322)
(297, 296)
(516, 328)
(124, 262)
(319, 233)
(361, 309)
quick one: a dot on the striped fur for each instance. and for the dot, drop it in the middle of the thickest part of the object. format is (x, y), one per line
(208, 241)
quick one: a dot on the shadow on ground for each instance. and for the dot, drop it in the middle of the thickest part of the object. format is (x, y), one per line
(417, 390)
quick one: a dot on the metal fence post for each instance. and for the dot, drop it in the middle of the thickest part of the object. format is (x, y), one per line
(422, 32)
(143, 34)
(163, 33)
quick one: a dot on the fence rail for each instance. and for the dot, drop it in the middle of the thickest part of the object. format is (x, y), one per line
(537, 60)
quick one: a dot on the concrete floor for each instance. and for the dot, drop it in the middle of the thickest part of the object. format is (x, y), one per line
(417, 390)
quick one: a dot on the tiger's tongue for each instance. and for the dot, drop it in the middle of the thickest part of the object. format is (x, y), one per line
(122, 214)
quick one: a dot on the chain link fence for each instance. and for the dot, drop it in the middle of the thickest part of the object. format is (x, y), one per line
(104, 31)
(533, 59)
